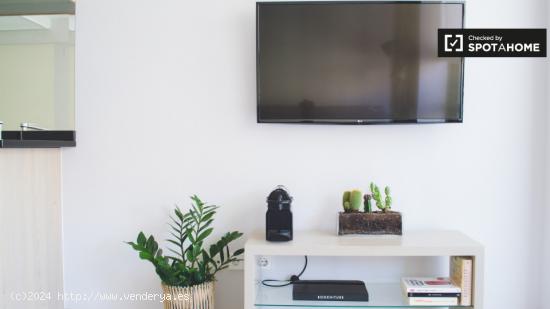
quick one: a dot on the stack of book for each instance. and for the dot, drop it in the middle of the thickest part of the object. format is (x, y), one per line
(430, 292)
(453, 291)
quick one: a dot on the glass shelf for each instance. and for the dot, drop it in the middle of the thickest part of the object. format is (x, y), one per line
(381, 295)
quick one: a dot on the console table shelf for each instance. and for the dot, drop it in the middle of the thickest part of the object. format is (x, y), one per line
(382, 295)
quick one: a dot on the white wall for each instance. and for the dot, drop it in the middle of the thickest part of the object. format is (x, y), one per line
(546, 225)
(166, 108)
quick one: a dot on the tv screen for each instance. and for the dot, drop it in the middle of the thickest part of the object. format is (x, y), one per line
(357, 62)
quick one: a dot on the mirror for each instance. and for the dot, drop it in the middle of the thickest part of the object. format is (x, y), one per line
(37, 71)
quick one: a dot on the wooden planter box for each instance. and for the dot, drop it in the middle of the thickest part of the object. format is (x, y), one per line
(374, 223)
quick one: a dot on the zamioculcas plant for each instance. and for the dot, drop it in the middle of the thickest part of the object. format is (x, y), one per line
(190, 262)
(385, 204)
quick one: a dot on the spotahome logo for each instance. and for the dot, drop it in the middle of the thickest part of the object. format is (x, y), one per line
(454, 42)
(492, 42)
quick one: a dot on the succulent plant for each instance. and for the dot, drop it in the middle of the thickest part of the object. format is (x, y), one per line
(351, 200)
(367, 206)
(356, 199)
(346, 202)
(384, 205)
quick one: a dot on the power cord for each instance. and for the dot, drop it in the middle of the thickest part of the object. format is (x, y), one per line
(293, 278)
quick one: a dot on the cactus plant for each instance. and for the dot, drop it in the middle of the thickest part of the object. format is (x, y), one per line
(377, 196)
(367, 203)
(355, 199)
(345, 201)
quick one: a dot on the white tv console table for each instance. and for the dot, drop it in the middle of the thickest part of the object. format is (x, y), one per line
(382, 295)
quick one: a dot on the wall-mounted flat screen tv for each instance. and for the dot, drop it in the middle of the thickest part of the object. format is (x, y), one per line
(357, 62)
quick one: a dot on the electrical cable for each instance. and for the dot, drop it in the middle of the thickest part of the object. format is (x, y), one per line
(293, 278)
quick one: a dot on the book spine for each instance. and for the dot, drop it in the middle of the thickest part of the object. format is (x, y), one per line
(433, 301)
(433, 290)
(466, 298)
(433, 294)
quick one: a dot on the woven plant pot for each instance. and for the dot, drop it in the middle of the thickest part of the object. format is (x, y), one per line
(194, 297)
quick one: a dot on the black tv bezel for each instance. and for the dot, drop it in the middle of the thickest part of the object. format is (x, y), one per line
(353, 121)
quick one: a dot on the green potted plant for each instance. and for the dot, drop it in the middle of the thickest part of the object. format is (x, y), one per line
(187, 275)
(353, 220)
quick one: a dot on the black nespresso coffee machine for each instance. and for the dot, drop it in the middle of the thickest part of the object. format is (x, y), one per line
(278, 219)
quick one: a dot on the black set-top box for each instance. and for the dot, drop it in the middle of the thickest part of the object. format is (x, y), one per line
(330, 290)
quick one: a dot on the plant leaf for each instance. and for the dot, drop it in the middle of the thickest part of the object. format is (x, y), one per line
(190, 236)
(141, 239)
(159, 254)
(205, 234)
(151, 245)
(173, 242)
(178, 213)
(145, 255)
(213, 250)
(190, 256)
(176, 253)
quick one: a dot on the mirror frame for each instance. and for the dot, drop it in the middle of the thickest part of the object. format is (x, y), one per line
(47, 138)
